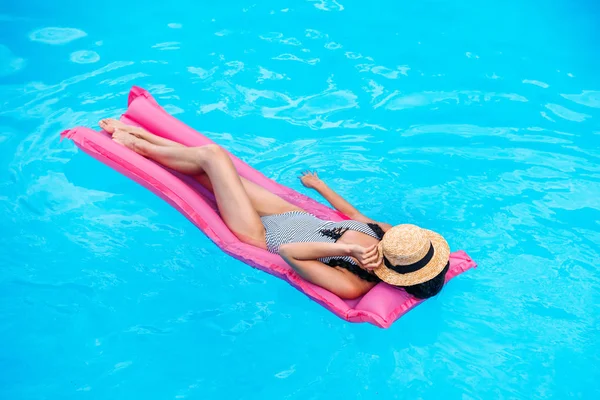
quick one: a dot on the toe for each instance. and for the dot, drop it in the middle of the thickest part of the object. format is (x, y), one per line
(107, 126)
(111, 124)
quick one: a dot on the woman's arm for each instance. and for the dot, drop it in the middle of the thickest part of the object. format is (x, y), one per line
(337, 201)
(302, 258)
(315, 250)
(367, 257)
(332, 279)
(312, 180)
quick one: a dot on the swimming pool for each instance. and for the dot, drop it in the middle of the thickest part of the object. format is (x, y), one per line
(477, 119)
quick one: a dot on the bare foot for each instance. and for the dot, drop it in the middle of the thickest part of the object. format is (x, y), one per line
(125, 138)
(111, 124)
(132, 142)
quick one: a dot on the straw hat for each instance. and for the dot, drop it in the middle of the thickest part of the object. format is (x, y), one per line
(411, 255)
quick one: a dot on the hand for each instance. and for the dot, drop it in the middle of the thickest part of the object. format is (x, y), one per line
(367, 257)
(310, 179)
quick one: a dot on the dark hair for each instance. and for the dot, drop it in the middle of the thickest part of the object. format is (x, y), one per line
(430, 288)
(423, 290)
(377, 229)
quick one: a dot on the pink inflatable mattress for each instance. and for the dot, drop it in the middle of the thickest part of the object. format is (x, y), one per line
(381, 306)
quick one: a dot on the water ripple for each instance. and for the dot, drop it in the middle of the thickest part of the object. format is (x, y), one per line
(536, 83)
(401, 102)
(590, 98)
(292, 57)
(327, 5)
(201, 72)
(9, 63)
(167, 46)
(265, 74)
(513, 134)
(84, 57)
(55, 35)
(565, 113)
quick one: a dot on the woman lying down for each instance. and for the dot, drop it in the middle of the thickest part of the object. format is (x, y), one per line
(347, 258)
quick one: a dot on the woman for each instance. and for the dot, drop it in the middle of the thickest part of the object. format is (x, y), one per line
(347, 258)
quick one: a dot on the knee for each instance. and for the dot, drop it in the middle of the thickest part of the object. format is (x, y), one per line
(212, 148)
(210, 153)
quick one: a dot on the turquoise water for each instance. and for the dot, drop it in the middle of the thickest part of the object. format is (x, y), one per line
(478, 119)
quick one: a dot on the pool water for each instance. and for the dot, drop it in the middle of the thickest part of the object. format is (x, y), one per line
(478, 119)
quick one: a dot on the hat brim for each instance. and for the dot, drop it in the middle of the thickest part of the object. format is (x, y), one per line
(433, 268)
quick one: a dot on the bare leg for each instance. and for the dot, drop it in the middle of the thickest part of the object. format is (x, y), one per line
(264, 202)
(111, 124)
(235, 206)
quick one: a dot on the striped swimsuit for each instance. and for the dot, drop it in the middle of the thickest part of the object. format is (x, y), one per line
(302, 227)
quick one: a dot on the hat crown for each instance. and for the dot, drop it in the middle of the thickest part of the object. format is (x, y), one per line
(405, 244)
